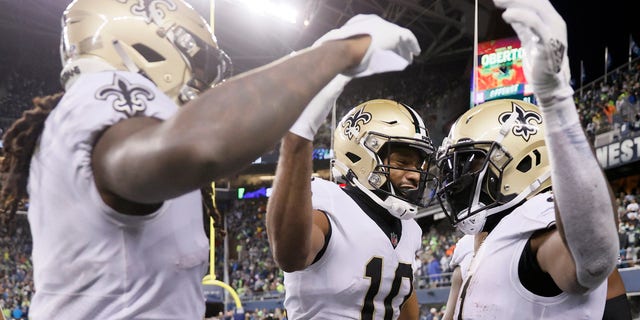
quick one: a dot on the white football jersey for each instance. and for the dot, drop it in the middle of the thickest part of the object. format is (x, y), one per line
(360, 275)
(463, 254)
(492, 288)
(91, 262)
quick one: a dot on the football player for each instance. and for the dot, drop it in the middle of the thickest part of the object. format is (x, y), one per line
(616, 307)
(543, 255)
(114, 165)
(540, 254)
(496, 168)
(349, 253)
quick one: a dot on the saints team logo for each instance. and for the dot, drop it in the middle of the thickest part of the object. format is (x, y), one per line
(352, 123)
(152, 10)
(127, 97)
(526, 123)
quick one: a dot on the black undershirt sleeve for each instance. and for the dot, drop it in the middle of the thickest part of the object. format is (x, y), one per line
(617, 308)
(532, 277)
(327, 237)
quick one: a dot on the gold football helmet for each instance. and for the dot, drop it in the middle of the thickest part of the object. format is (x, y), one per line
(362, 140)
(494, 158)
(167, 41)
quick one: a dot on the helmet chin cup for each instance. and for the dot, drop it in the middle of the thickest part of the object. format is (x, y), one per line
(396, 207)
(401, 209)
(473, 224)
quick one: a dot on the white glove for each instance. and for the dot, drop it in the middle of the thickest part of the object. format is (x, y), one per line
(318, 108)
(543, 35)
(392, 47)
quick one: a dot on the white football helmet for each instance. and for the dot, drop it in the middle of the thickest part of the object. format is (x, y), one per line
(167, 41)
(364, 137)
(494, 158)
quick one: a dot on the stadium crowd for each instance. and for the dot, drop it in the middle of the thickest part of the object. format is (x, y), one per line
(611, 103)
(604, 106)
(16, 276)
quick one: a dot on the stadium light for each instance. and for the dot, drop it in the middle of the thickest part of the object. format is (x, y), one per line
(279, 10)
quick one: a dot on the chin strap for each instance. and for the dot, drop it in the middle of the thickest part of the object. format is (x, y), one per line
(522, 195)
(336, 173)
(128, 63)
(187, 93)
(475, 223)
(75, 67)
(126, 60)
(396, 207)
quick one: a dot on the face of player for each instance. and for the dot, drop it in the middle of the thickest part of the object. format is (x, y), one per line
(404, 163)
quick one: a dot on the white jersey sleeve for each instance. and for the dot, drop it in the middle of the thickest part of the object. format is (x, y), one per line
(91, 262)
(94, 103)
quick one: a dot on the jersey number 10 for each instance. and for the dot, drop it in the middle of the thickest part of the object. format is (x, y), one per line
(374, 272)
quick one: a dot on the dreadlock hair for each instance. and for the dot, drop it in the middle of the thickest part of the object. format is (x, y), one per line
(19, 144)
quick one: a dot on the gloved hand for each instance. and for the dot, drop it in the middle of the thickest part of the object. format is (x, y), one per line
(318, 108)
(392, 47)
(543, 35)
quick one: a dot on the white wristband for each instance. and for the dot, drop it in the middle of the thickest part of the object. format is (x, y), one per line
(318, 108)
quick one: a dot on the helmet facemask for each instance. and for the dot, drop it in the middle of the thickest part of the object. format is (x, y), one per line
(401, 202)
(380, 178)
(470, 177)
(209, 65)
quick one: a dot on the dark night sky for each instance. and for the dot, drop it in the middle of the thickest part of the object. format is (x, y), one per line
(594, 25)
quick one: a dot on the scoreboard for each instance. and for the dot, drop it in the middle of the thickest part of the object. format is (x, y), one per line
(499, 72)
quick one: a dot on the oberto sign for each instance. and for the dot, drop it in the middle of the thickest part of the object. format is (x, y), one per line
(619, 153)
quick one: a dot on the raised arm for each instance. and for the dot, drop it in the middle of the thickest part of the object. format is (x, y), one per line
(584, 252)
(296, 231)
(230, 125)
(221, 131)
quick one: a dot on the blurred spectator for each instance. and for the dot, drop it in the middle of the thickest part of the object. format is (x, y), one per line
(433, 314)
(435, 271)
(632, 209)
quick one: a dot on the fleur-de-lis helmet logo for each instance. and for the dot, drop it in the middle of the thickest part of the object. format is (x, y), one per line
(127, 97)
(351, 125)
(152, 9)
(526, 122)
